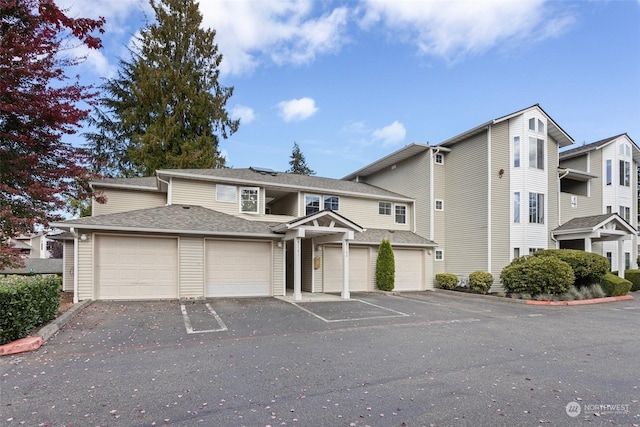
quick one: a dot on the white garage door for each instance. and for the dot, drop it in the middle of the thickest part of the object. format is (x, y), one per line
(358, 269)
(236, 268)
(409, 270)
(136, 267)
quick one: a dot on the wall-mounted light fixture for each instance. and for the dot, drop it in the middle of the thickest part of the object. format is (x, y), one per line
(279, 244)
(83, 237)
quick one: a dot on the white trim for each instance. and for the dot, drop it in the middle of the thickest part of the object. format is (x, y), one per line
(435, 204)
(257, 211)
(228, 187)
(395, 217)
(489, 186)
(435, 159)
(390, 208)
(435, 255)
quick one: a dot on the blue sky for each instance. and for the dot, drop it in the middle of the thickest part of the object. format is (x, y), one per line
(352, 81)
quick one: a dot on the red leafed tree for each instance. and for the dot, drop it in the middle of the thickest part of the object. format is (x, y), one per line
(39, 106)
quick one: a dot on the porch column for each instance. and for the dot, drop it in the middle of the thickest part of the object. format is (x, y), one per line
(587, 244)
(297, 269)
(345, 269)
(621, 258)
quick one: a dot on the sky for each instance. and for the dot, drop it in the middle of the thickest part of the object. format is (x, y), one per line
(353, 81)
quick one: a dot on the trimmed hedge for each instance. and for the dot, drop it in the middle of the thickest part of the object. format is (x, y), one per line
(385, 267)
(634, 277)
(446, 280)
(27, 302)
(614, 286)
(537, 275)
(480, 281)
(587, 267)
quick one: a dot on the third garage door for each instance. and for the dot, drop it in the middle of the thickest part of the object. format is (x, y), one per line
(238, 268)
(358, 269)
(409, 270)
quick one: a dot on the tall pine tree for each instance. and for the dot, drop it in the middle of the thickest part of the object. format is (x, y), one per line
(165, 108)
(298, 164)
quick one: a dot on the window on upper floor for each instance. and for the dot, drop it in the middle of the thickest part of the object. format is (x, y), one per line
(540, 126)
(439, 255)
(536, 153)
(609, 172)
(532, 124)
(627, 150)
(312, 204)
(226, 193)
(384, 208)
(401, 214)
(609, 210)
(516, 207)
(574, 201)
(625, 173)
(249, 200)
(516, 151)
(332, 203)
(439, 159)
(439, 205)
(536, 208)
(625, 213)
(516, 253)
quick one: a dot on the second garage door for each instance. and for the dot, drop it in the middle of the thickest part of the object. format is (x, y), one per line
(409, 270)
(358, 269)
(136, 267)
(238, 268)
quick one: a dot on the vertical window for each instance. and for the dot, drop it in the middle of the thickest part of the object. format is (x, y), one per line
(627, 150)
(226, 193)
(536, 153)
(332, 203)
(609, 209)
(312, 204)
(625, 213)
(439, 159)
(621, 149)
(516, 253)
(625, 173)
(540, 126)
(516, 207)
(516, 151)
(439, 205)
(384, 208)
(439, 255)
(532, 124)
(574, 201)
(249, 200)
(534, 250)
(627, 260)
(536, 208)
(609, 172)
(401, 214)
(610, 259)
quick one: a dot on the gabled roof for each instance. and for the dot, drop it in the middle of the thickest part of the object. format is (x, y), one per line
(404, 153)
(323, 217)
(397, 238)
(553, 128)
(145, 183)
(588, 224)
(175, 219)
(597, 145)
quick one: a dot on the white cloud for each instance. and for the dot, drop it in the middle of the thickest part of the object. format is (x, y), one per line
(244, 113)
(452, 29)
(297, 109)
(390, 135)
(249, 32)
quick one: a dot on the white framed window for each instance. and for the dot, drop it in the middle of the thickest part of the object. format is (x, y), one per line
(534, 250)
(516, 207)
(226, 193)
(536, 153)
(439, 255)
(609, 210)
(439, 205)
(384, 208)
(332, 203)
(401, 214)
(609, 172)
(249, 199)
(627, 150)
(625, 213)
(516, 253)
(540, 126)
(536, 208)
(516, 151)
(439, 159)
(532, 124)
(311, 204)
(610, 259)
(627, 260)
(574, 201)
(625, 173)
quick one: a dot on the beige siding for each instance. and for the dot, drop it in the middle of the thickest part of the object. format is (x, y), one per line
(365, 213)
(553, 189)
(85, 267)
(307, 266)
(287, 205)
(501, 208)
(278, 271)
(201, 193)
(127, 200)
(586, 205)
(191, 267)
(68, 272)
(466, 228)
(439, 220)
(579, 163)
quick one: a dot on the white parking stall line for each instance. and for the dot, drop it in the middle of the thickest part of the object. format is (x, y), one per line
(189, 327)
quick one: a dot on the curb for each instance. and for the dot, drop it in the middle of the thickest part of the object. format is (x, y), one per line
(582, 302)
(38, 339)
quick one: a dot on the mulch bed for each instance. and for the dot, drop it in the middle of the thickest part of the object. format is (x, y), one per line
(66, 301)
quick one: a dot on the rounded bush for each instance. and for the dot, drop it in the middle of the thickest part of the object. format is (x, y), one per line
(614, 286)
(634, 277)
(385, 267)
(446, 280)
(480, 281)
(587, 267)
(537, 275)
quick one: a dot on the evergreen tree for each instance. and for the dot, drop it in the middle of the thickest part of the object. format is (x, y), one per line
(298, 163)
(165, 108)
(385, 267)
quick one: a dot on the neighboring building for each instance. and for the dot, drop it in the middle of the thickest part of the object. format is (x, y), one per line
(36, 245)
(473, 202)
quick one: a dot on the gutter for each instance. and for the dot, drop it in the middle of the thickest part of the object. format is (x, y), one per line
(75, 265)
(164, 230)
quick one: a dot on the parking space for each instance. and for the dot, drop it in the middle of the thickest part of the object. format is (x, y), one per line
(346, 311)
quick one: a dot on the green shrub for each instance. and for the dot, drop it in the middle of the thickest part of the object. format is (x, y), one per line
(587, 267)
(480, 281)
(385, 267)
(634, 277)
(27, 302)
(614, 286)
(537, 275)
(446, 280)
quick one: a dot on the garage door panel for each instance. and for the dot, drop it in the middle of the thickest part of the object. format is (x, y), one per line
(409, 270)
(359, 267)
(129, 267)
(238, 268)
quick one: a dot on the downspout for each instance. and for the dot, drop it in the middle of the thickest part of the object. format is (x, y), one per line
(75, 265)
(432, 226)
(168, 189)
(489, 230)
(559, 206)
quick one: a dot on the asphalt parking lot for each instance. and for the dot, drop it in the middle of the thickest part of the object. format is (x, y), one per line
(417, 359)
